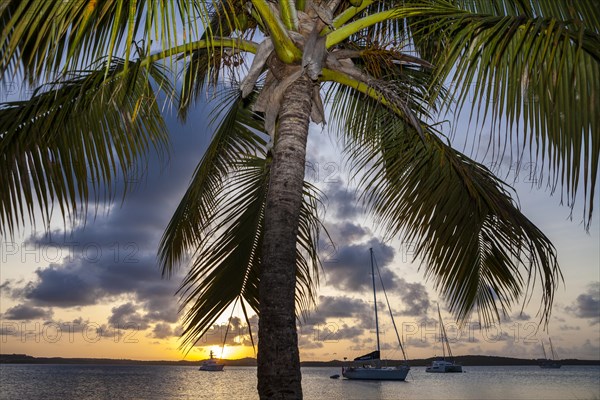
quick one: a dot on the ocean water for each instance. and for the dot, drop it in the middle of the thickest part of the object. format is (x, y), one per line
(76, 382)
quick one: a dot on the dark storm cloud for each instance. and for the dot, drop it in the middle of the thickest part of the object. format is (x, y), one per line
(162, 308)
(82, 283)
(127, 315)
(342, 202)
(113, 254)
(62, 288)
(325, 325)
(587, 305)
(345, 232)
(339, 307)
(351, 232)
(24, 312)
(346, 331)
(6, 287)
(415, 298)
(162, 331)
(350, 269)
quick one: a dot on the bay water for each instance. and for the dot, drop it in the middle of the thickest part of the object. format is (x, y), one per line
(76, 382)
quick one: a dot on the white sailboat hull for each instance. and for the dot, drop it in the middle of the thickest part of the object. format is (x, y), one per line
(378, 374)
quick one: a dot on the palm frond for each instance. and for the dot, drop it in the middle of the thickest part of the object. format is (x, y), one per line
(227, 259)
(219, 223)
(41, 38)
(71, 139)
(535, 65)
(204, 65)
(235, 136)
(475, 245)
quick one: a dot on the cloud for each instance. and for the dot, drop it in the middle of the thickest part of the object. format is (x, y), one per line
(521, 316)
(587, 305)
(417, 342)
(566, 327)
(162, 331)
(81, 283)
(415, 298)
(237, 334)
(78, 282)
(308, 342)
(329, 323)
(350, 268)
(62, 288)
(125, 316)
(346, 332)
(114, 256)
(6, 287)
(26, 312)
(347, 232)
(342, 201)
(339, 307)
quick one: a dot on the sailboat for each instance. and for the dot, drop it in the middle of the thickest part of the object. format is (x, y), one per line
(547, 363)
(444, 365)
(375, 371)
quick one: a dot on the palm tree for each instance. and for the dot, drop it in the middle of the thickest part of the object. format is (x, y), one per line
(248, 218)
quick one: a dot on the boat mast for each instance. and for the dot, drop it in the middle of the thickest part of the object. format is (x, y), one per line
(390, 310)
(442, 333)
(544, 350)
(375, 299)
(552, 349)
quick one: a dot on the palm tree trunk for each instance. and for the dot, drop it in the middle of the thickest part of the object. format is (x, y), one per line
(278, 357)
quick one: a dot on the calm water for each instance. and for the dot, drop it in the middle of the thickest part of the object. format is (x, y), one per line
(168, 382)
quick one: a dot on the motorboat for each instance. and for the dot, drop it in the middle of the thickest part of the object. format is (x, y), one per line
(211, 364)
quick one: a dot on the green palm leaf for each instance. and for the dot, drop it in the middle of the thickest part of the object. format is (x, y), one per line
(219, 223)
(226, 261)
(42, 38)
(233, 138)
(71, 139)
(535, 64)
(476, 246)
(204, 65)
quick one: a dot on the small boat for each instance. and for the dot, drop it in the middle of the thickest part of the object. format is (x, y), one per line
(376, 371)
(211, 364)
(549, 363)
(443, 365)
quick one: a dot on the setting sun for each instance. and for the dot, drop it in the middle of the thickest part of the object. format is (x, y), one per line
(228, 352)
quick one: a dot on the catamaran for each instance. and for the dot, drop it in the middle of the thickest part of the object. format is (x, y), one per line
(374, 370)
(444, 365)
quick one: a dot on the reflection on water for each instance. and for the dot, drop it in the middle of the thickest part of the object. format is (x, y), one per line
(75, 382)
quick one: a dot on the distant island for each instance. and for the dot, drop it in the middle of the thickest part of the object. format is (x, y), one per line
(251, 362)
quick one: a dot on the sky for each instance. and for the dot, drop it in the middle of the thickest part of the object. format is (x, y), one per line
(97, 291)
